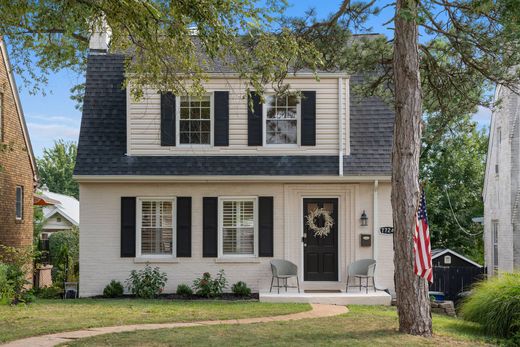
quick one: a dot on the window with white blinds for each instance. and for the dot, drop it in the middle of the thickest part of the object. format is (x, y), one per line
(238, 227)
(156, 227)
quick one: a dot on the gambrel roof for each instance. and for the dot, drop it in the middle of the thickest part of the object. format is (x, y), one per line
(102, 140)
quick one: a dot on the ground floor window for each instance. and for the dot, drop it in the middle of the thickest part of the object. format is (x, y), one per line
(156, 226)
(238, 226)
(19, 202)
(495, 244)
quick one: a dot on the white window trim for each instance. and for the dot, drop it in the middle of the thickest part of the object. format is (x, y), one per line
(21, 203)
(211, 125)
(221, 200)
(139, 222)
(298, 127)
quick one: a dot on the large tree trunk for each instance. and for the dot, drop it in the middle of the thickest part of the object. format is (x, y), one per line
(413, 304)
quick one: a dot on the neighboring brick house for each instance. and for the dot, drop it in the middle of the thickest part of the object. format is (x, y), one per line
(502, 186)
(18, 173)
(201, 184)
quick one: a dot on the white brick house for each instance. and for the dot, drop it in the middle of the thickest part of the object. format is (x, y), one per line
(202, 184)
(502, 186)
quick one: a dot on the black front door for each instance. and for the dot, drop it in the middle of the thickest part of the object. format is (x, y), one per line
(320, 253)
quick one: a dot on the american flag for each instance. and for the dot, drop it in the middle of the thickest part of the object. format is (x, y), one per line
(421, 239)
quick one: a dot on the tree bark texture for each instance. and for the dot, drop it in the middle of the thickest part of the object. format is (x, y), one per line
(413, 303)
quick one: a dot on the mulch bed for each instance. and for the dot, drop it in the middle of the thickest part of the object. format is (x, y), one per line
(224, 297)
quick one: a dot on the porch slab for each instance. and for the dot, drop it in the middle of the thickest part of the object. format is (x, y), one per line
(350, 298)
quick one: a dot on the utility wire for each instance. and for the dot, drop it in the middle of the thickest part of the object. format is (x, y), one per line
(455, 217)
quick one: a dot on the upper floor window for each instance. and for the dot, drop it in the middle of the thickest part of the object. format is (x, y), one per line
(195, 120)
(237, 227)
(281, 118)
(19, 202)
(156, 224)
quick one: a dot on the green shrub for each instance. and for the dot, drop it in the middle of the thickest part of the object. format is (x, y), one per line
(6, 288)
(16, 264)
(184, 290)
(241, 289)
(49, 292)
(208, 286)
(146, 283)
(495, 304)
(113, 290)
(64, 254)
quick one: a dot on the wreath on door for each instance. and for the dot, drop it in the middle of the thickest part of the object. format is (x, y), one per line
(328, 222)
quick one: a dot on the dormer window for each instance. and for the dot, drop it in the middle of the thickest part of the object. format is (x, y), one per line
(281, 118)
(195, 119)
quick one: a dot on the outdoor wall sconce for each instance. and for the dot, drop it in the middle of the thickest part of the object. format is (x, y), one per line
(364, 219)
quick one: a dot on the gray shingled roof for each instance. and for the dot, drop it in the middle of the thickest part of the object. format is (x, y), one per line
(102, 140)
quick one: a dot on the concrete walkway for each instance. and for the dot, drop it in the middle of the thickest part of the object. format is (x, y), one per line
(317, 311)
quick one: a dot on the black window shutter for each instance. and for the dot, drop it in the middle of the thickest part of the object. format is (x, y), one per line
(167, 119)
(265, 226)
(128, 227)
(209, 227)
(221, 116)
(184, 226)
(308, 127)
(254, 120)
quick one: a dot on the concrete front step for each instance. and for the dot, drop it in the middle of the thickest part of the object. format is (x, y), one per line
(350, 298)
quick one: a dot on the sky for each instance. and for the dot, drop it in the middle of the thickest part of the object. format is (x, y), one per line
(54, 116)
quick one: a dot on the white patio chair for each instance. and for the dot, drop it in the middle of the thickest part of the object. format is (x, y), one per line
(283, 269)
(362, 269)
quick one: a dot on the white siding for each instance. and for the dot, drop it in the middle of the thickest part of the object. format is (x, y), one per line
(52, 223)
(502, 190)
(144, 121)
(100, 259)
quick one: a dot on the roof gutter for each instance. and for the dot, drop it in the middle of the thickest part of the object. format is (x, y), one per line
(228, 178)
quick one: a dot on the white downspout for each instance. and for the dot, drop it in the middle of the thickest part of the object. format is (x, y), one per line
(340, 124)
(375, 249)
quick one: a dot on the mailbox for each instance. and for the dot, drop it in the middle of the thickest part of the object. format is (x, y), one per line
(366, 240)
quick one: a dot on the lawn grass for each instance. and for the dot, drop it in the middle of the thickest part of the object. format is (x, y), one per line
(362, 326)
(51, 316)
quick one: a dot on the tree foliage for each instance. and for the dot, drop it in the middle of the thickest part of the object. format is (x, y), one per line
(56, 168)
(453, 174)
(158, 38)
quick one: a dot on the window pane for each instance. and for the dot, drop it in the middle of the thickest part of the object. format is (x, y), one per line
(184, 125)
(194, 126)
(204, 126)
(185, 113)
(19, 202)
(185, 138)
(205, 138)
(157, 227)
(195, 138)
(238, 227)
(185, 101)
(191, 129)
(195, 113)
(291, 112)
(205, 113)
(292, 100)
(281, 126)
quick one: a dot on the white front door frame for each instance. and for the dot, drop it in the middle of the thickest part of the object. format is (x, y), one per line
(339, 241)
(293, 230)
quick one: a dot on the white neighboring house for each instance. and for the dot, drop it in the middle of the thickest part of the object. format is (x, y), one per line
(63, 214)
(502, 186)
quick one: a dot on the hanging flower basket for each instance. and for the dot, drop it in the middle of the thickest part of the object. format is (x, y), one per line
(328, 222)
